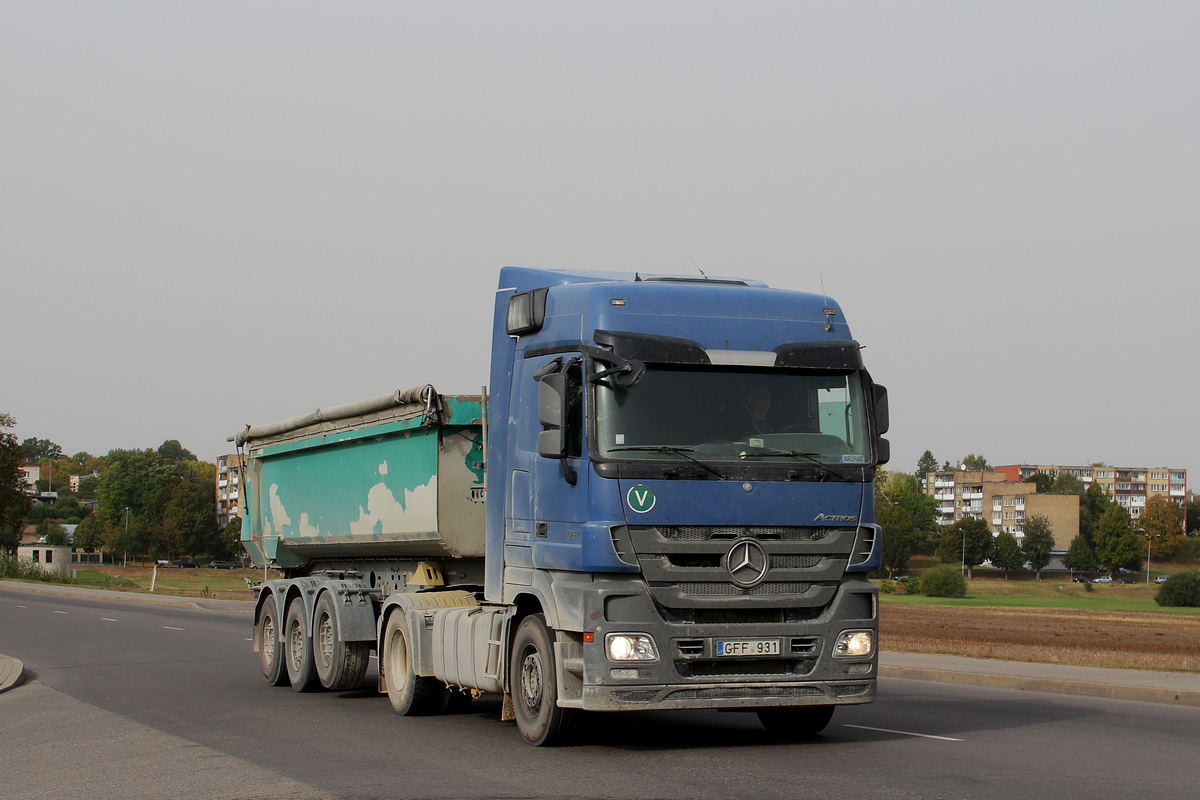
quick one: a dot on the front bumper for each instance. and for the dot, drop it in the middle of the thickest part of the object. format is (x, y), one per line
(689, 672)
(729, 695)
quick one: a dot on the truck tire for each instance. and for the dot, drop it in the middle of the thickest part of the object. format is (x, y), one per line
(297, 649)
(533, 681)
(340, 665)
(411, 694)
(797, 721)
(270, 645)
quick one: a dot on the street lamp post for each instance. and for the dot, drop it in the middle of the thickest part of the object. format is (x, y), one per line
(1148, 535)
(125, 560)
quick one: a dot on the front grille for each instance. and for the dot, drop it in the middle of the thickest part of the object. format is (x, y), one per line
(739, 692)
(752, 666)
(686, 565)
(690, 647)
(852, 689)
(778, 533)
(794, 561)
(723, 589)
(805, 644)
(739, 616)
(635, 695)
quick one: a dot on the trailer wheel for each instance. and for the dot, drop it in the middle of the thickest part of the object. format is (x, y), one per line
(340, 665)
(270, 645)
(534, 685)
(297, 649)
(410, 694)
(797, 721)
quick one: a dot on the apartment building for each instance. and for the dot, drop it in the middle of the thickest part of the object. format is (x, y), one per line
(229, 477)
(1003, 504)
(31, 473)
(1129, 486)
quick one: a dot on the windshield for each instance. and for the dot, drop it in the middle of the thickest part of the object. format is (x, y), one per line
(734, 414)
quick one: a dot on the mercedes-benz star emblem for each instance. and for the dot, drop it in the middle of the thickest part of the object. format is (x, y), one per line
(747, 563)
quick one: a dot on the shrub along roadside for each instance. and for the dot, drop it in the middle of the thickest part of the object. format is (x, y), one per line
(944, 581)
(1182, 589)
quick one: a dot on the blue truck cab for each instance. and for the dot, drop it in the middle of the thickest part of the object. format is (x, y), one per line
(686, 471)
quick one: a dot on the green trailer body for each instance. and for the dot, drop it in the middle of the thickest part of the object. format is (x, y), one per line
(403, 482)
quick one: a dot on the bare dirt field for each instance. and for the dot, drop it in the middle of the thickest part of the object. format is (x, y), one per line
(1130, 640)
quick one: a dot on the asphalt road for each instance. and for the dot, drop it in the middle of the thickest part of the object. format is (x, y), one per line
(138, 701)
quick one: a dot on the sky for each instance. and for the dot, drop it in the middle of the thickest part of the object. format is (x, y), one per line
(214, 214)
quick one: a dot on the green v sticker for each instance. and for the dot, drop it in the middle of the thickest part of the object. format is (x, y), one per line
(640, 498)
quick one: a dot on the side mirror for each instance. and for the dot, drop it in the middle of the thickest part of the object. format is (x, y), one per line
(882, 446)
(552, 414)
(552, 397)
(881, 409)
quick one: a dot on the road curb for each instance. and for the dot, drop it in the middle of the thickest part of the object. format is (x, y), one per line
(12, 673)
(1145, 694)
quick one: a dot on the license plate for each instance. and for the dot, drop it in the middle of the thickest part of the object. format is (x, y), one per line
(748, 647)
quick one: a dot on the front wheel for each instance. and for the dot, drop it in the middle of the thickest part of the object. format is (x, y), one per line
(533, 682)
(796, 721)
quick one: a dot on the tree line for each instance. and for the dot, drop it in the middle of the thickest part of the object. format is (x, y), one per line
(1107, 534)
(155, 503)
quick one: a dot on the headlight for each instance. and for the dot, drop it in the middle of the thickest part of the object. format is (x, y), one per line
(854, 644)
(630, 647)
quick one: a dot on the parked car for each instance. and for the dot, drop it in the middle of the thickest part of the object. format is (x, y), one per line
(187, 563)
(1128, 580)
(221, 565)
(1102, 579)
(163, 562)
(1079, 579)
(1160, 579)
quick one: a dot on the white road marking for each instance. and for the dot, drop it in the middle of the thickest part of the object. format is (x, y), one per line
(108, 619)
(60, 612)
(22, 606)
(374, 656)
(904, 733)
(168, 627)
(248, 639)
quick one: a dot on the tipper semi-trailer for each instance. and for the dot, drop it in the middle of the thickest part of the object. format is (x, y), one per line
(663, 501)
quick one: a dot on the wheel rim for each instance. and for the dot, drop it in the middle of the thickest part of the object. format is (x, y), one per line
(296, 645)
(325, 640)
(531, 680)
(268, 640)
(397, 661)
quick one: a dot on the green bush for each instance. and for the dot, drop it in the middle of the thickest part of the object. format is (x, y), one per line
(887, 587)
(1180, 590)
(912, 584)
(944, 581)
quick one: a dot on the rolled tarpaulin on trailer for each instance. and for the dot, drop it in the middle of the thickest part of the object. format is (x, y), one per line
(425, 395)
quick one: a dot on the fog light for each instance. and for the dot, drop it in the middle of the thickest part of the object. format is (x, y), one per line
(854, 644)
(630, 647)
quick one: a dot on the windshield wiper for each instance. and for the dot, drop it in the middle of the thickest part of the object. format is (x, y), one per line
(666, 448)
(811, 457)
